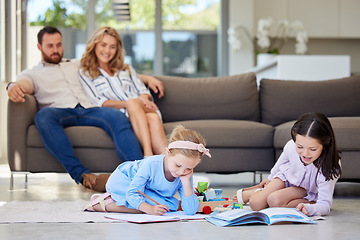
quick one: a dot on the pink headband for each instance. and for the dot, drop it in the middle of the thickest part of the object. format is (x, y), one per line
(190, 145)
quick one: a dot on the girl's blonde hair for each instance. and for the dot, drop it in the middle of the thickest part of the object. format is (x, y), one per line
(89, 60)
(180, 133)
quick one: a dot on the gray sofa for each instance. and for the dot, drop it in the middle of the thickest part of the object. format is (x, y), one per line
(245, 126)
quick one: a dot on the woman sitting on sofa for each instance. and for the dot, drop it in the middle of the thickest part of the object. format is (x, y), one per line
(109, 82)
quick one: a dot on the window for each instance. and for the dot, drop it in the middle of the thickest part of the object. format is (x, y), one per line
(190, 54)
(140, 50)
(190, 37)
(178, 46)
(187, 49)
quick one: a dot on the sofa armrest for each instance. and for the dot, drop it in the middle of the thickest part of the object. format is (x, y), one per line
(20, 117)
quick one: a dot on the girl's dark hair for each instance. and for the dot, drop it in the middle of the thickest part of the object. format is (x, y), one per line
(317, 126)
(47, 29)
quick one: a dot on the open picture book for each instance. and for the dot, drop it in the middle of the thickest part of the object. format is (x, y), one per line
(266, 216)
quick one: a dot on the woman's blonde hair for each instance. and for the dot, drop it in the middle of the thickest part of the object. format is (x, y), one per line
(179, 133)
(89, 60)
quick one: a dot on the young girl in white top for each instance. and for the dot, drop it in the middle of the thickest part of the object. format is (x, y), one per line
(305, 174)
(158, 177)
(109, 82)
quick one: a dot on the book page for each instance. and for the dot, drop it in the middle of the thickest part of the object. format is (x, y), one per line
(286, 215)
(147, 218)
(237, 217)
(236, 214)
(183, 216)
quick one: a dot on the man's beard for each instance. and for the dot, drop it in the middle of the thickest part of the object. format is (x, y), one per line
(49, 59)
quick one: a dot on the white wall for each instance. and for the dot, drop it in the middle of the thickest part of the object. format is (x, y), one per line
(33, 54)
(3, 123)
(243, 12)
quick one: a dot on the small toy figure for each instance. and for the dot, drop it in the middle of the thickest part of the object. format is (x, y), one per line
(210, 199)
(202, 186)
(237, 205)
(220, 209)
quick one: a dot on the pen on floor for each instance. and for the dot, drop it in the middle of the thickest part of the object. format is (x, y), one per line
(148, 197)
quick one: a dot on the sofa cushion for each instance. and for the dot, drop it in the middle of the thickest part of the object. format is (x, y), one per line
(231, 97)
(229, 133)
(82, 137)
(282, 101)
(346, 129)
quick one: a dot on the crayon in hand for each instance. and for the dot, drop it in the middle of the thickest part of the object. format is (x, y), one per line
(148, 197)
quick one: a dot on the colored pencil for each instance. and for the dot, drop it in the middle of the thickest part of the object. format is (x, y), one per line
(148, 197)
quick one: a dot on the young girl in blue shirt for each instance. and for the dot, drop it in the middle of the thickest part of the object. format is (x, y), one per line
(159, 177)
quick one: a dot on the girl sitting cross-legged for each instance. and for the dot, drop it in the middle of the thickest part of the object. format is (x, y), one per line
(305, 174)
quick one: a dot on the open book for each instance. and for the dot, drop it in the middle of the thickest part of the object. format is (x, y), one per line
(267, 216)
(146, 218)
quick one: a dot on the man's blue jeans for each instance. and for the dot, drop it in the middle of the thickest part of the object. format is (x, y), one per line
(51, 122)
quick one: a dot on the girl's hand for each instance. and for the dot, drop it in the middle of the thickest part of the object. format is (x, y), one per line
(185, 181)
(302, 208)
(187, 176)
(153, 210)
(160, 210)
(235, 198)
(263, 183)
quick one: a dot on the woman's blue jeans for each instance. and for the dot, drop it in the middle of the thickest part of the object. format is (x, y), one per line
(51, 122)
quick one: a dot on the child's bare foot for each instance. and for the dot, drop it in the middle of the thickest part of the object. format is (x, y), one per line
(243, 195)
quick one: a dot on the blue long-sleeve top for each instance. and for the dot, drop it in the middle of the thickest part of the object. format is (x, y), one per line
(148, 176)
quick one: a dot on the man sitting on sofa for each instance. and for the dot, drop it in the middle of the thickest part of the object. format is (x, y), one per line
(54, 83)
